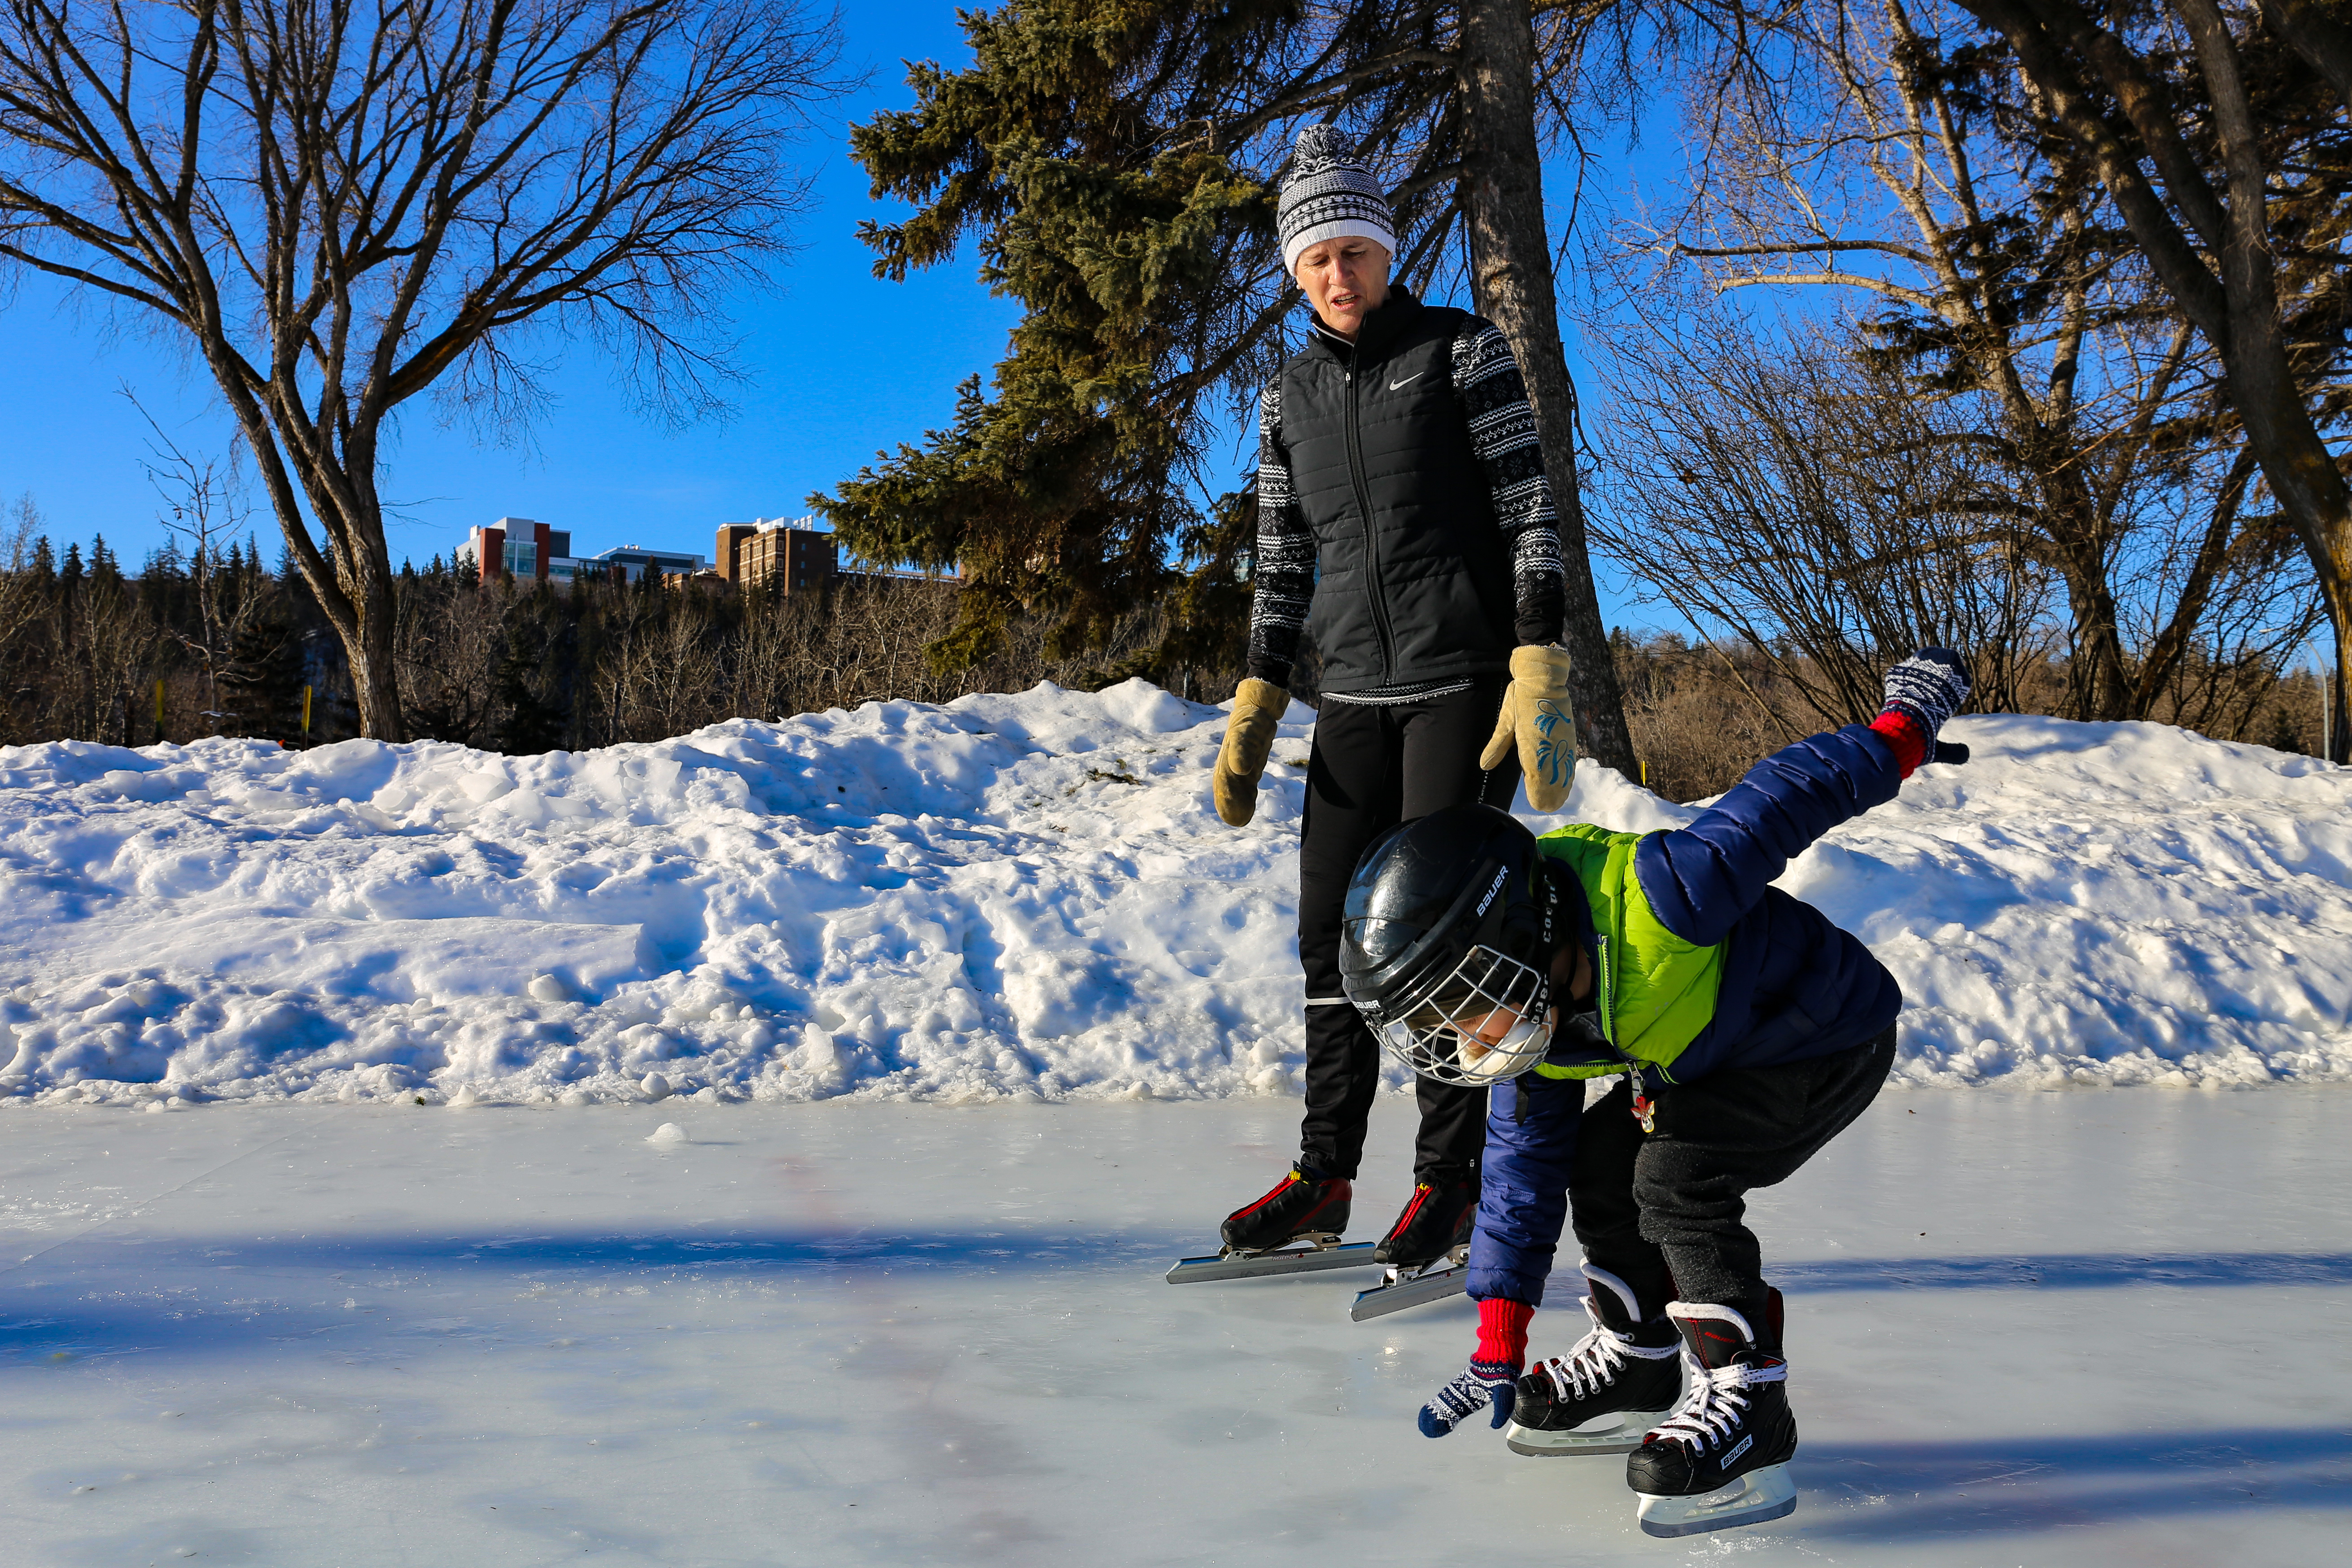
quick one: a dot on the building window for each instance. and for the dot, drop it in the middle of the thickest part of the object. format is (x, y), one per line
(522, 557)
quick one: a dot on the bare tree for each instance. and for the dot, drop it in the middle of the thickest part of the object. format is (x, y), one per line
(340, 206)
(204, 505)
(1807, 505)
(1994, 287)
(1502, 197)
(445, 647)
(21, 603)
(120, 640)
(677, 674)
(2220, 150)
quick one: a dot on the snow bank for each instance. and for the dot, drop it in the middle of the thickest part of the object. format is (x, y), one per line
(1029, 896)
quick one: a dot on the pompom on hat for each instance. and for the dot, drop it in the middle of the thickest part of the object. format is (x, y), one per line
(1331, 195)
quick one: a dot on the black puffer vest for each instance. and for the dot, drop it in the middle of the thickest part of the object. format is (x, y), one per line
(1413, 576)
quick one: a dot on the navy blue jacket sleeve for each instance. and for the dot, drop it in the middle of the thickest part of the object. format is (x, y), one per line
(1701, 878)
(1522, 1192)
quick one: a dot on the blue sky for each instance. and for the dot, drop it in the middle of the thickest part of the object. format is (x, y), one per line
(841, 366)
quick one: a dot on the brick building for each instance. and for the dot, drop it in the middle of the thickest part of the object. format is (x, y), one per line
(793, 559)
(517, 547)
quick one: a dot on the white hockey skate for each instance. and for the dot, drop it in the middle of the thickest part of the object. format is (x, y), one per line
(1606, 1395)
(1721, 1459)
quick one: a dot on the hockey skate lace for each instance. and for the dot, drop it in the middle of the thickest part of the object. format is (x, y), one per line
(1711, 1410)
(1590, 1366)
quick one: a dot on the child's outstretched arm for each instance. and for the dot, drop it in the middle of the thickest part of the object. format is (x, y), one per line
(1701, 878)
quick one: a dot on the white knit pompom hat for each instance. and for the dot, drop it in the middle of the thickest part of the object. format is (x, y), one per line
(1331, 195)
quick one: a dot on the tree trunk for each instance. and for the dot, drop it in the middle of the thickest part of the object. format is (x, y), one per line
(1511, 270)
(364, 563)
(375, 681)
(2098, 672)
(2339, 724)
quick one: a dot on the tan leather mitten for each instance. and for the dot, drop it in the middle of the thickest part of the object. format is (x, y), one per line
(1539, 718)
(1258, 706)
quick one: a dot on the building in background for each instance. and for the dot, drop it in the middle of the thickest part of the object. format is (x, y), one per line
(790, 557)
(517, 547)
(787, 556)
(628, 563)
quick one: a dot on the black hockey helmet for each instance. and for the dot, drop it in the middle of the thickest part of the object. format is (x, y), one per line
(1445, 944)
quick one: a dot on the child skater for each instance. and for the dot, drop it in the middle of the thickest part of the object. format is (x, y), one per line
(1745, 1031)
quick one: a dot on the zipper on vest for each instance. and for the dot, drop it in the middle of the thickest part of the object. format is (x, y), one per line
(1600, 984)
(1372, 538)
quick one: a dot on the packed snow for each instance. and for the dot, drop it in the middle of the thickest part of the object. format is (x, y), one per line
(1029, 897)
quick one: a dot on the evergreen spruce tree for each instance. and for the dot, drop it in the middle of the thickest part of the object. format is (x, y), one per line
(69, 611)
(261, 681)
(531, 679)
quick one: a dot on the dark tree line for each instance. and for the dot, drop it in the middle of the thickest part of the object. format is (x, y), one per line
(516, 667)
(527, 667)
(208, 642)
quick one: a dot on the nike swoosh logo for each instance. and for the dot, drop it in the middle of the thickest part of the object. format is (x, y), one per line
(1408, 381)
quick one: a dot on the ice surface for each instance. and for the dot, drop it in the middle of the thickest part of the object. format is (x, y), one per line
(2060, 1330)
(1027, 897)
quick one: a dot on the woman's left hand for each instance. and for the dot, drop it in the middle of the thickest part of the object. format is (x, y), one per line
(1538, 719)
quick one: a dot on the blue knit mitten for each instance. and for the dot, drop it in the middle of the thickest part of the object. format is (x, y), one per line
(1482, 1384)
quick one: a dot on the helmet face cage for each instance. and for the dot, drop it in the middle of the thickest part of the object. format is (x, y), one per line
(1486, 1019)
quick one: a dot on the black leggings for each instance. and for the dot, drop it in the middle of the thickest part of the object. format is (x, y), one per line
(1373, 768)
(1663, 1211)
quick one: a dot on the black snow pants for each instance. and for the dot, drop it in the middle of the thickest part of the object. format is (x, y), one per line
(1375, 766)
(1663, 1211)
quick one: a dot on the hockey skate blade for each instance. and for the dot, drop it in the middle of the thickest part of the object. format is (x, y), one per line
(1619, 1433)
(1295, 1260)
(1419, 1290)
(1759, 1495)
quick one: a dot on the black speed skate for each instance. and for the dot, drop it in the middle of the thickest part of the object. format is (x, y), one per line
(1294, 1229)
(1603, 1396)
(1722, 1457)
(1302, 1206)
(1436, 1220)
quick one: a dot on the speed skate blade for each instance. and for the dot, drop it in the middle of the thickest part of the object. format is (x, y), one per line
(1761, 1494)
(1414, 1291)
(1260, 1264)
(1619, 1433)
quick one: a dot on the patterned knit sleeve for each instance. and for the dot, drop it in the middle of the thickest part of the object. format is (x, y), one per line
(1283, 575)
(1502, 433)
